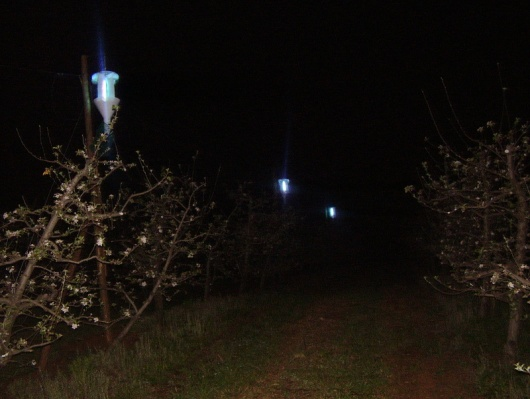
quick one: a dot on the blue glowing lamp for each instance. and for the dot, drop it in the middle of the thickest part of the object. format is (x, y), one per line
(331, 212)
(283, 185)
(106, 100)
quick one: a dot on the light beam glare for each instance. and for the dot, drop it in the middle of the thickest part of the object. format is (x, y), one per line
(101, 49)
(286, 148)
(102, 63)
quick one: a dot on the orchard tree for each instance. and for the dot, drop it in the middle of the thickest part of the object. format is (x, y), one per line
(277, 245)
(164, 238)
(480, 193)
(40, 249)
(213, 252)
(259, 234)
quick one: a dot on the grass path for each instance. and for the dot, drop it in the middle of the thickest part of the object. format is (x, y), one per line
(338, 337)
(324, 355)
(366, 344)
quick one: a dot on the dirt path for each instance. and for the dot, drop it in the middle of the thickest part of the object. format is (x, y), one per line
(304, 341)
(411, 371)
(419, 371)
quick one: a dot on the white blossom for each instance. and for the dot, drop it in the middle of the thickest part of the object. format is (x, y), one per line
(495, 278)
(86, 302)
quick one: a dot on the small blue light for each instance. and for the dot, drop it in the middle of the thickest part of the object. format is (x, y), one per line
(331, 212)
(283, 185)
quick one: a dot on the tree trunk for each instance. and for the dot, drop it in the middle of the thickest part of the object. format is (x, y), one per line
(263, 280)
(514, 326)
(265, 273)
(486, 307)
(521, 212)
(207, 280)
(243, 284)
(159, 308)
(245, 271)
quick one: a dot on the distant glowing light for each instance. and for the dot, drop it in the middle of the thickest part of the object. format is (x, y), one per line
(331, 212)
(106, 99)
(283, 185)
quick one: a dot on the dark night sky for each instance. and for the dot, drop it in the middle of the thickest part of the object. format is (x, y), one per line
(235, 79)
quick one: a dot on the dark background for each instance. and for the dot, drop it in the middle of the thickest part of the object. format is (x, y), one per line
(330, 90)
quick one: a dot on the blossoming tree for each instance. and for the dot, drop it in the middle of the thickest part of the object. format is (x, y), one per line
(47, 255)
(168, 228)
(260, 237)
(38, 246)
(481, 196)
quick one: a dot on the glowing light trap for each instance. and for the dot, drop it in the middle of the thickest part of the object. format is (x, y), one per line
(106, 99)
(283, 185)
(331, 212)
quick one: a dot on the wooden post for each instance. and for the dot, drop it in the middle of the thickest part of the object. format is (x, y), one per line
(102, 269)
(89, 136)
